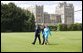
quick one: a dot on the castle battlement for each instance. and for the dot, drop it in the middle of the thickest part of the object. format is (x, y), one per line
(64, 14)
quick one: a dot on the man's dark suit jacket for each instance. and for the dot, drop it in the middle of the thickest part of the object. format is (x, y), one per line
(37, 30)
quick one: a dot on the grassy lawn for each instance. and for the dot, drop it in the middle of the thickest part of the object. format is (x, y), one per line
(61, 41)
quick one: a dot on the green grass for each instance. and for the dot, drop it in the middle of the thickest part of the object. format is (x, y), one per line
(61, 41)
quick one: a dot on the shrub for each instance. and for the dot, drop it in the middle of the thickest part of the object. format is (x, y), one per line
(61, 27)
(53, 27)
(75, 27)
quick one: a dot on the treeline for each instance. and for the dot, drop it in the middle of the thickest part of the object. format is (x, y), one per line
(15, 19)
(64, 27)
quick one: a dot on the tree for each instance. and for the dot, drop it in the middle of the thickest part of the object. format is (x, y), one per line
(30, 23)
(15, 19)
(61, 27)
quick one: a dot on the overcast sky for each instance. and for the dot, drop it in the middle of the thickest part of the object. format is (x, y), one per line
(49, 6)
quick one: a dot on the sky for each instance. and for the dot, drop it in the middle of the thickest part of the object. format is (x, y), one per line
(49, 6)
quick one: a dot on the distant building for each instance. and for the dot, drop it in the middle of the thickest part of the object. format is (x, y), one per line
(47, 18)
(55, 19)
(64, 14)
(38, 13)
(67, 13)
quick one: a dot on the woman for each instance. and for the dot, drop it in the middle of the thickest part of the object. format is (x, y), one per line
(46, 32)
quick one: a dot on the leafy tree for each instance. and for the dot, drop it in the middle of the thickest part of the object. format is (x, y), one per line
(15, 19)
(61, 27)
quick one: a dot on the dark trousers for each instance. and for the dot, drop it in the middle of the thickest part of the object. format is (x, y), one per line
(43, 39)
(36, 38)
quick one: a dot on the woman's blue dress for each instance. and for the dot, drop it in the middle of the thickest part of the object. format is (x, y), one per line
(46, 32)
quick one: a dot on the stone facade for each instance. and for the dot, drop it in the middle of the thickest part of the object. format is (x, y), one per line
(55, 18)
(67, 13)
(64, 14)
(38, 13)
(47, 18)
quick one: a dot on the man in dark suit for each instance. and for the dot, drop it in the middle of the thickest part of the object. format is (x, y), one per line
(42, 33)
(37, 34)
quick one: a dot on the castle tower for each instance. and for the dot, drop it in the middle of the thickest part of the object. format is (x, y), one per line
(67, 13)
(38, 13)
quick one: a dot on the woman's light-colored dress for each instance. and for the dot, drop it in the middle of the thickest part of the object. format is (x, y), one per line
(46, 32)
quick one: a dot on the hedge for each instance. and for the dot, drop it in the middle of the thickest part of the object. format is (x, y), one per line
(61, 27)
(75, 27)
(64, 27)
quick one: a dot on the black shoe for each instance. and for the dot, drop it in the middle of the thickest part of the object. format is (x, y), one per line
(33, 43)
(45, 43)
(42, 44)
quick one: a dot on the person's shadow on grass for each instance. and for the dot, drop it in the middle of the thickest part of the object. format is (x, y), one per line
(53, 44)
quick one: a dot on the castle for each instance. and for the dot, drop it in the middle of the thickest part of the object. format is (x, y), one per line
(64, 13)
